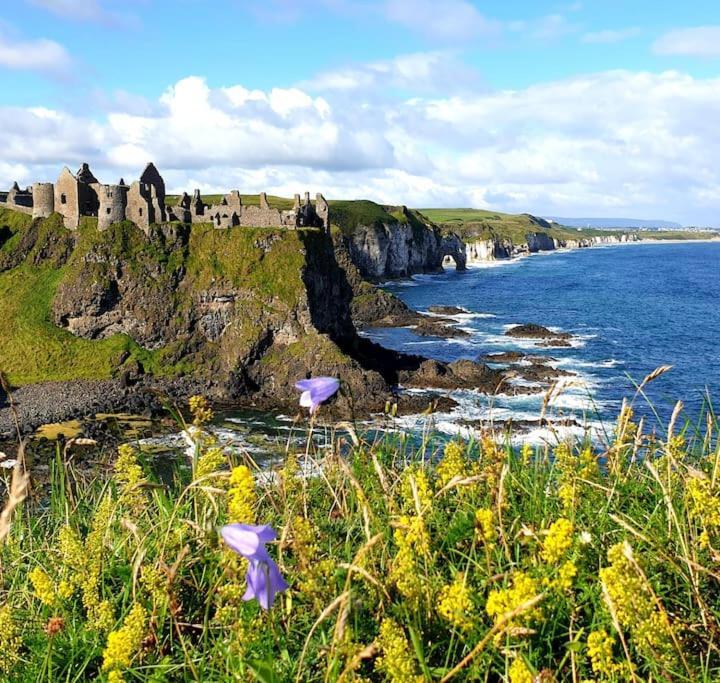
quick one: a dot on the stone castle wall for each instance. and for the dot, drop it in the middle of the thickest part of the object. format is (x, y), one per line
(231, 212)
(143, 202)
(20, 200)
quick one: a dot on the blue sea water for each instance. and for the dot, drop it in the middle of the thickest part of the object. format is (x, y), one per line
(632, 308)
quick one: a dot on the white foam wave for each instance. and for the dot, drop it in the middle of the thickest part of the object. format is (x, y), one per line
(497, 263)
(460, 317)
(578, 363)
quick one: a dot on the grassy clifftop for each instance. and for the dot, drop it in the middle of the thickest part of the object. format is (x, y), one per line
(481, 224)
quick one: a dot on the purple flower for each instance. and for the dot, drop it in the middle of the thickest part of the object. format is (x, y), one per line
(263, 575)
(316, 390)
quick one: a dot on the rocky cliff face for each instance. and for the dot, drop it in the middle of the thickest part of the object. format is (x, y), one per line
(392, 249)
(539, 241)
(492, 249)
(488, 250)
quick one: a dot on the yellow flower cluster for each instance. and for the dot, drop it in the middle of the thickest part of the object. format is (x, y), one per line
(453, 464)
(292, 482)
(200, 410)
(600, 651)
(416, 477)
(155, 583)
(566, 576)
(703, 505)
(228, 597)
(455, 604)
(503, 600)
(485, 527)
(44, 587)
(129, 477)
(558, 540)
(82, 566)
(493, 459)
(10, 641)
(566, 494)
(573, 468)
(209, 463)
(526, 453)
(315, 574)
(413, 544)
(395, 661)
(519, 672)
(634, 603)
(242, 496)
(125, 643)
(304, 539)
(676, 446)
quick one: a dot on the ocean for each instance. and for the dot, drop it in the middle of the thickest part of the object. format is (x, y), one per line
(632, 308)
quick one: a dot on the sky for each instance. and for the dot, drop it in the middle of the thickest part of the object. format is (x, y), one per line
(603, 108)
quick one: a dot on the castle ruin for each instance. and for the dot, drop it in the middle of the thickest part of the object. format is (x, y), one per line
(144, 203)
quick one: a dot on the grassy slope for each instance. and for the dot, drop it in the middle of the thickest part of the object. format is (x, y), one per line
(266, 264)
(347, 215)
(32, 348)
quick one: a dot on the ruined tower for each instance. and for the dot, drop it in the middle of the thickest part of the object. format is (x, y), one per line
(43, 200)
(113, 202)
(146, 199)
(322, 209)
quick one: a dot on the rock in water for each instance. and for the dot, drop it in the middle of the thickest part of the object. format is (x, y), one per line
(534, 331)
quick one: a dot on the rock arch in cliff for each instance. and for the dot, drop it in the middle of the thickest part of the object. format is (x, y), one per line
(453, 250)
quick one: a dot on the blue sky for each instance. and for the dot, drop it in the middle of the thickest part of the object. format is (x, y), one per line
(593, 108)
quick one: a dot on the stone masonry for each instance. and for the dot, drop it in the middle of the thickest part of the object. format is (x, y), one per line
(144, 203)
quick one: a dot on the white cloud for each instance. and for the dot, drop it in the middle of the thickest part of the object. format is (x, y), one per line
(616, 142)
(450, 20)
(236, 127)
(701, 41)
(42, 55)
(609, 36)
(420, 73)
(87, 11)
